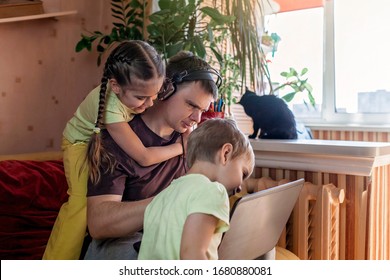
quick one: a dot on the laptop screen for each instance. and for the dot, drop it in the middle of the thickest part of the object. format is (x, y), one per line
(257, 221)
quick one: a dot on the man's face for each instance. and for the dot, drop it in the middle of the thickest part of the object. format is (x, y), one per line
(187, 106)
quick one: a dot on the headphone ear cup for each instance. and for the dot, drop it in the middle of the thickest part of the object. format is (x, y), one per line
(169, 89)
(178, 77)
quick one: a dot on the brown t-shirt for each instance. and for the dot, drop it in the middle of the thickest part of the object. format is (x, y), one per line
(130, 179)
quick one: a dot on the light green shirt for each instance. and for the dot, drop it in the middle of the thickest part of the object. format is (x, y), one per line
(80, 127)
(166, 214)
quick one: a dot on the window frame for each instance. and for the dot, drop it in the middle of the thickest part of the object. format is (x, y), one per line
(329, 115)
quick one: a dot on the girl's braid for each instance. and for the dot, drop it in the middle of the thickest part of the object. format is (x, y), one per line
(96, 152)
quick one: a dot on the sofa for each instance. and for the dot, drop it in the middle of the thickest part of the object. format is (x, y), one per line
(32, 189)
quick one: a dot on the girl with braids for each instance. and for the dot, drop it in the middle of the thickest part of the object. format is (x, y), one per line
(133, 75)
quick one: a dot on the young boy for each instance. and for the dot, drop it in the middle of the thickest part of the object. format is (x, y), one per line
(187, 219)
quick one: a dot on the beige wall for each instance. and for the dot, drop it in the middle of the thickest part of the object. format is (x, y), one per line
(42, 78)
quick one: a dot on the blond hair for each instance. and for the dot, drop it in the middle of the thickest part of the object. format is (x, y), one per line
(207, 139)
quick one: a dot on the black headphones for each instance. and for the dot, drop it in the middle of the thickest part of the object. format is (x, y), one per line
(170, 85)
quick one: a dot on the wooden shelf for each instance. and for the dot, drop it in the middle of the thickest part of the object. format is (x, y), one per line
(39, 16)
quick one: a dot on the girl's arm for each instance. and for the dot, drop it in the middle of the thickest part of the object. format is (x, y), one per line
(197, 233)
(125, 137)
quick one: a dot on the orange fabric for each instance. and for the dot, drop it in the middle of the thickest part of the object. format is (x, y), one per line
(292, 5)
(284, 254)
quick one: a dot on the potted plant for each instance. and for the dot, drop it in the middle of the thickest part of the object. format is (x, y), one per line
(178, 25)
(189, 25)
(230, 71)
(128, 23)
(297, 83)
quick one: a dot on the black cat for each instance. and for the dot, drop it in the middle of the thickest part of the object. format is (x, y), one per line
(271, 115)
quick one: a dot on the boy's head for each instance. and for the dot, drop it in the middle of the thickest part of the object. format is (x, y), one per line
(220, 141)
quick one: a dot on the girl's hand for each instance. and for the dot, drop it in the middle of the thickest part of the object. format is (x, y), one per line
(184, 138)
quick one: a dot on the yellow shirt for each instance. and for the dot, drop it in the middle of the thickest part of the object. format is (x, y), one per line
(80, 127)
(166, 214)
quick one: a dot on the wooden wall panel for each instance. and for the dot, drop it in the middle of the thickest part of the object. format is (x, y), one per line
(378, 246)
(363, 219)
(371, 136)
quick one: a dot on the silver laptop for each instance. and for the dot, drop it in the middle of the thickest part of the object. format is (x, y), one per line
(257, 221)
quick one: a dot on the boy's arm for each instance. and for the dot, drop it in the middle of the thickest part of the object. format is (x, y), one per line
(126, 138)
(197, 233)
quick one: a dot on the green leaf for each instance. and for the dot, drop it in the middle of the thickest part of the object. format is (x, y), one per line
(130, 13)
(99, 60)
(294, 87)
(164, 4)
(126, 7)
(312, 100)
(200, 49)
(174, 49)
(181, 20)
(304, 71)
(293, 72)
(117, 12)
(100, 48)
(217, 16)
(116, 6)
(289, 96)
(135, 4)
(115, 33)
(308, 87)
(218, 56)
(81, 45)
(107, 40)
(120, 18)
(152, 29)
(117, 24)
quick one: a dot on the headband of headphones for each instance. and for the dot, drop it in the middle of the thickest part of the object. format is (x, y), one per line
(187, 76)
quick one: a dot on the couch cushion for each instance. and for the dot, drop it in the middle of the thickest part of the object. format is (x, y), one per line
(31, 194)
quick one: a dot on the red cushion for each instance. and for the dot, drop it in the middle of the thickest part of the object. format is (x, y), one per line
(31, 194)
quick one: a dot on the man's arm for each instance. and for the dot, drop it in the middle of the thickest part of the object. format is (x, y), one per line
(109, 217)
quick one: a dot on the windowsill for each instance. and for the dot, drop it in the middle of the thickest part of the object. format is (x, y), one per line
(245, 123)
(332, 156)
(39, 16)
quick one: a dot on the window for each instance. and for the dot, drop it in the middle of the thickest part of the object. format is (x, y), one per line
(345, 47)
(301, 46)
(362, 66)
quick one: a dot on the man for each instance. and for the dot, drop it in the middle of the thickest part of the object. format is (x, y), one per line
(116, 204)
